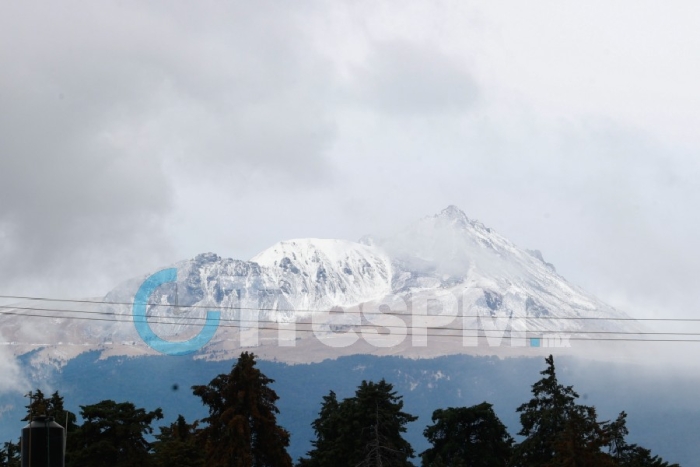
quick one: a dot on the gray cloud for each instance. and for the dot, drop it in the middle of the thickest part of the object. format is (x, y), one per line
(133, 135)
(104, 109)
(68, 184)
(402, 77)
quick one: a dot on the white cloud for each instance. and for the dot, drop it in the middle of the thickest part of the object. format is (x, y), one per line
(133, 135)
(12, 378)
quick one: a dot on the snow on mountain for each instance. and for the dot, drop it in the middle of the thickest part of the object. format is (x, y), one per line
(289, 280)
(449, 251)
(493, 279)
(316, 274)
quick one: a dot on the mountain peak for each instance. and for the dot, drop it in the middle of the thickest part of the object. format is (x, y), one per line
(454, 216)
(445, 253)
(453, 212)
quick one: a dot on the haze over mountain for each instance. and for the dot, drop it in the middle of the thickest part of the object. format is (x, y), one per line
(445, 284)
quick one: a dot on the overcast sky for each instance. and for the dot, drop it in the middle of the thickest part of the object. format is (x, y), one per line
(136, 134)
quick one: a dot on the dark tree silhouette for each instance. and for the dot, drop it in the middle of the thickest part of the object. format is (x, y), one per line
(630, 455)
(467, 437)
(112, 435)
(242, 428)
(556, 429)
(51, 407)
(328, 427)
(559, 432)
(10, 455)
(177, 445)
(362, 430)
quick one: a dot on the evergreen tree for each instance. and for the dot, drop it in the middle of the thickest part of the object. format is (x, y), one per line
(377, 410)
(467, 437)
(630, 455)
(112, 435)
(558, 431)
(51, 407)
(38, 405)
(242, 428)
(327, 428)
(362, 430)
(10, 455)
(176, 445)
(637, 456)
(582, 441)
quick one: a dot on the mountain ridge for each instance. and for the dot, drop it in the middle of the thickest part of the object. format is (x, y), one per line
(484, 282)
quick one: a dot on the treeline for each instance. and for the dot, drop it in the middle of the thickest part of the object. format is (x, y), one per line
(364, 430)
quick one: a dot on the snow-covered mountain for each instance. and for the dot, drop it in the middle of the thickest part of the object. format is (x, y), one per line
(313, 274)
(451, 251)
(497, 286)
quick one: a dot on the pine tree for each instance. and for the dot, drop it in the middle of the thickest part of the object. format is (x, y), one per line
(467, 437)
(177, 445)
(38, 405)
(582, 441)
(558, 431)
(561, 433)
(242, 428)
(630, 455)
(10, 455)
(112, 435)
(637, 456)
(51, 407)
(327, 428)
(362, 430)
(380, 450)
(378, 409)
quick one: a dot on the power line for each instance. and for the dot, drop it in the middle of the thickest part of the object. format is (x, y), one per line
(349, 310)
(200, 320)
(572, 338)
(573, 335)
